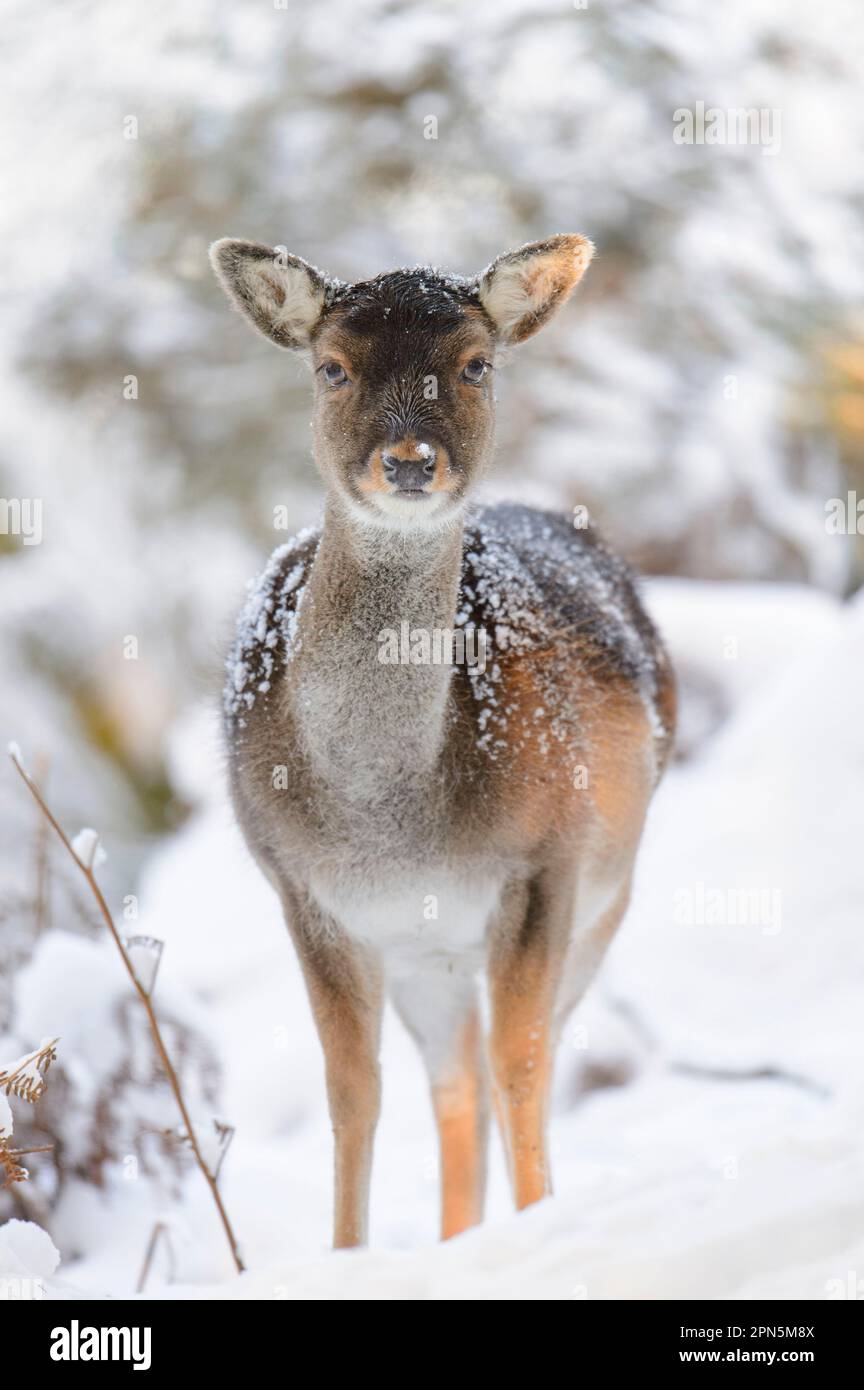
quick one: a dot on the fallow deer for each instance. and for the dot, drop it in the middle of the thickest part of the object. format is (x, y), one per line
(427, 823)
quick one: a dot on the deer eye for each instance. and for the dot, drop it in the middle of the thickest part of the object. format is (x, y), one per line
(334, 373)
(474, 371)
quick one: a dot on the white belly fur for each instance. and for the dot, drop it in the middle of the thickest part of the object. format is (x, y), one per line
(437, 922)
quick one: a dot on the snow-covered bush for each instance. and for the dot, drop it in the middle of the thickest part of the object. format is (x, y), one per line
(28, 1259)
(108, 1114)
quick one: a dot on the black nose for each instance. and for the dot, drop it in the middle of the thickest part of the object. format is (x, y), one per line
(409, 475)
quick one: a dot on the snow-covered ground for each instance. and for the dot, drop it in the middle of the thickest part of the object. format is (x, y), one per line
(725, 1155)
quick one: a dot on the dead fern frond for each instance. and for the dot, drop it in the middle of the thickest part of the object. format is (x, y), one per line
(10, 1168)
(26, 1080)
(26, 1077)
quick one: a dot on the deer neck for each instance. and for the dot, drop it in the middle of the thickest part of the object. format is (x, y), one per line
(369, 717)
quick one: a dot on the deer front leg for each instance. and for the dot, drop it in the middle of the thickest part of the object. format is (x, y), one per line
(526, 957)
(343, 980)
(443, 1018)
(459, 1100)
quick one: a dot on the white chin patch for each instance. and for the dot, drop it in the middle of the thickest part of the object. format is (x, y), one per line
(405, 512)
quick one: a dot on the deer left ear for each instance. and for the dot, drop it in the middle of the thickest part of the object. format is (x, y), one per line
(524, 288)
(282, 295)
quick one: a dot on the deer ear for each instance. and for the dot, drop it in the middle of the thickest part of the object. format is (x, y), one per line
(524, 288)
(282, 295)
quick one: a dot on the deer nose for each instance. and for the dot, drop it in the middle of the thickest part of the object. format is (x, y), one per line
(409, 475)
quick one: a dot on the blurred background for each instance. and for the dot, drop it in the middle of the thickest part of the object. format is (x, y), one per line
(702, 396)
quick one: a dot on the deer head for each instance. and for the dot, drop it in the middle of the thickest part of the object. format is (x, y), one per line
(403, 364)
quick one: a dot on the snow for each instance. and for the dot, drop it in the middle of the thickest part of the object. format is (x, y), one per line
(724, 1158)
(26, 1251)
(88, 848)
(521, 573)
(267, 626)
(145, 953)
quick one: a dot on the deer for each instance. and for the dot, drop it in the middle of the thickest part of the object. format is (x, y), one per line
(456, 838)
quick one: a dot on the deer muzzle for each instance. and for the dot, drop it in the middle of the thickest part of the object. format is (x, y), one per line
(409, 474)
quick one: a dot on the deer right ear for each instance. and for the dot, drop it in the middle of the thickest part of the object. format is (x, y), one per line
(524, 288)
(282, 295)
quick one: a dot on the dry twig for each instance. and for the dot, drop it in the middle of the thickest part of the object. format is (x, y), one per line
(160, 1232)
(168, 1066)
